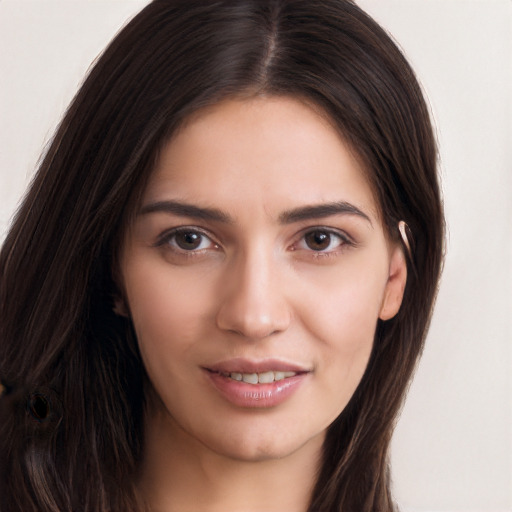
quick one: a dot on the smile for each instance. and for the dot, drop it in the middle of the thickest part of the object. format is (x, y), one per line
(250, 384)
(259, 378)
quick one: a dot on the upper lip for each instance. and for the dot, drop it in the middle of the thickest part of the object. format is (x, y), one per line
(241, 365)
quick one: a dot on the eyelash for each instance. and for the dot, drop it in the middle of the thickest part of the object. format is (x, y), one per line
(344, 242)
(168, 240)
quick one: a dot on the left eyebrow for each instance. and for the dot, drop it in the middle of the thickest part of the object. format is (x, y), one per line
(321, 210)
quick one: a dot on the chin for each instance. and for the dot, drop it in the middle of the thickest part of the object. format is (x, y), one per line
(260, 447)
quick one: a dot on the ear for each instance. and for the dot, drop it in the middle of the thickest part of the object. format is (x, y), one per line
(394, 291)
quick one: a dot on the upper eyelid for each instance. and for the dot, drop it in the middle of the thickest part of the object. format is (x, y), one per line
(345, 242)
(335, 231)
(165, 235)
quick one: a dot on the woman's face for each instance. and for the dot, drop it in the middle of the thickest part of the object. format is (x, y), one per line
(255, 273)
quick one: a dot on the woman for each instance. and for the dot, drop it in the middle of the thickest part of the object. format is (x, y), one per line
(217, 288)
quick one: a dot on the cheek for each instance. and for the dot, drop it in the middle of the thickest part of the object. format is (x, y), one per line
(165, 308)
(345, 326)
(342, 307)
(341, 314)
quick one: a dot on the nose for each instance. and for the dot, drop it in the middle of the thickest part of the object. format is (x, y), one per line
(253, 303)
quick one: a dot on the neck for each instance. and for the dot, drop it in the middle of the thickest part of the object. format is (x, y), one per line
(180, 474)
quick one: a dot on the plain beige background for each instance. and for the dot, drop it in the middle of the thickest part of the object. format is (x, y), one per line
(453, 445)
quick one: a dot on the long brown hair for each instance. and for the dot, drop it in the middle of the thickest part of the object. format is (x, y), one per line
(71, 412)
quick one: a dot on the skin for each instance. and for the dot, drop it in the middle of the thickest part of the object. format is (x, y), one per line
(268, 279)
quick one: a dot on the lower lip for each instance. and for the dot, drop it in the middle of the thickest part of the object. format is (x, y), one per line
(242, 394)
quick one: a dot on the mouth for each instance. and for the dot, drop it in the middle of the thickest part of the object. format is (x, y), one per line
(251, 384)
(267, 377)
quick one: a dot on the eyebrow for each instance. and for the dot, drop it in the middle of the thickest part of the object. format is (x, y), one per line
(187, 210)
(288, 217)
(321, 210)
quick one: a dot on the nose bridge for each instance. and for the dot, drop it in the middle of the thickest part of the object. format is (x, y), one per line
(253, 304)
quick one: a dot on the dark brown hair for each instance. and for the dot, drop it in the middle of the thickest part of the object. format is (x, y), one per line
(71, 415)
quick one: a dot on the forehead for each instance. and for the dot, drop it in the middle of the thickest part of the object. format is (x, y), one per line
(274, 152)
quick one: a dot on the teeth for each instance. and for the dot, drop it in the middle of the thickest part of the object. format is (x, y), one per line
(259, 378)
(250, 378)
(266, 377)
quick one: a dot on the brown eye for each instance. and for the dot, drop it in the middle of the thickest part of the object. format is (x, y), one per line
(190, 240)
(322, 240)
(187, 241)
(318, 240)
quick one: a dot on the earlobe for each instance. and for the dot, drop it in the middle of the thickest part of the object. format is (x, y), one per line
(395, 286)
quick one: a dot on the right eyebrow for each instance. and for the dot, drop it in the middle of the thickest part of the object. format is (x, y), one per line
(187, 210)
